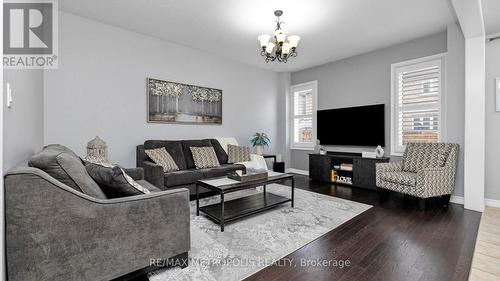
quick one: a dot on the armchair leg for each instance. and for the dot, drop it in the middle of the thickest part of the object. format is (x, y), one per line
(446, 200)
(382, 193)
(421, 204)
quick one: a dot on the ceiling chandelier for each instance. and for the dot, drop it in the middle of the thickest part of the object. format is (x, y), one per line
(279, 46)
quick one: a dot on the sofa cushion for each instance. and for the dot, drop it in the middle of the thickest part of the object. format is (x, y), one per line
(161, 157)
(182, 177)
(174, 148)
(405, 178)
(219, 151)
(65, 166)
(418, 156)
(238, 154)
(114, 181)
(221, 171)
(186, 147)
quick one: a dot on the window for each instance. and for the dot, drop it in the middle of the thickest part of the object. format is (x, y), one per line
(417, 98)
(303, 111)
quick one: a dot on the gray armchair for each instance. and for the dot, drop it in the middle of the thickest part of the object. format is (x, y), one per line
(426, 170)
(54, 232)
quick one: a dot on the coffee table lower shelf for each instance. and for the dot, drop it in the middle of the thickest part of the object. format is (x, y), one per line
(242, 207)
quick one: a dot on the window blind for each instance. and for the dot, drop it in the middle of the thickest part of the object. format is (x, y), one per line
(419, 94)
(303, 116)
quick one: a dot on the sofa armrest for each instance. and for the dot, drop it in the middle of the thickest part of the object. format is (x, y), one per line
(154, 174)
(435, 181)
(259, 161)
(256, 162)
(87, 231)
(135, 173)
(385, 167)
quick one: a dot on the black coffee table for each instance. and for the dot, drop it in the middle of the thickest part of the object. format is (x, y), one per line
(227, 211)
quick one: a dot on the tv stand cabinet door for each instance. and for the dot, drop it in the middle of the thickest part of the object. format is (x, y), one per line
(364, 172)
(320, 167)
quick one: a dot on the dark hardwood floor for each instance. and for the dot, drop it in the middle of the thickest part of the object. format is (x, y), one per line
(391, 241)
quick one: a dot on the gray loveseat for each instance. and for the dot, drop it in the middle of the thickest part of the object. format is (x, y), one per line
(55, 232)
(187, 175)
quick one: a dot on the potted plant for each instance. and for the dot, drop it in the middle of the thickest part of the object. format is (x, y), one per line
(260, 140)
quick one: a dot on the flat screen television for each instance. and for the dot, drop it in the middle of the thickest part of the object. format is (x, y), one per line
(354, 126)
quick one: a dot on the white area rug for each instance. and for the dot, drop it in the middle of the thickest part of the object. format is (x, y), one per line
(252, 243)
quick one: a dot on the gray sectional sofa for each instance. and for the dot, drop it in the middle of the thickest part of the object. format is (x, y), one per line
(55, 231)
(187, 175)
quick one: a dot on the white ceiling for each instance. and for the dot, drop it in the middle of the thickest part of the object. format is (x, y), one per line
(491, 14)
(330, 29)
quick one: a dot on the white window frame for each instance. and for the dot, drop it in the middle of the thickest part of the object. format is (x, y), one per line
(397, 150)
(313, 85)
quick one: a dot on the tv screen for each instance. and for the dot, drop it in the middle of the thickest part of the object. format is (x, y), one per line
(356, 126)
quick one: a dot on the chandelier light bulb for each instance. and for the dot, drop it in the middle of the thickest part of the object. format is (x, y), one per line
(293, 40)
(280, 36)
(286, 48)
(264, 39)
(270, 47)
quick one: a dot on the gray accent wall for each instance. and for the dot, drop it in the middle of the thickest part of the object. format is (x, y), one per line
(100, 89)
(23, 122)
(492, 182)
(366, 79)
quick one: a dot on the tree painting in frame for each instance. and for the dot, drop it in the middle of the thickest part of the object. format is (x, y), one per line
(171, 102)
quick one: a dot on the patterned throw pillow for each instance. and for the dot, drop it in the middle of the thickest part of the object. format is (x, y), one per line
(161, 157)
(238, 154)
(114, 181)
(204, 157)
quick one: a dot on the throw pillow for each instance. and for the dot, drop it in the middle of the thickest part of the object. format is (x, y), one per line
(238, 154)
(114, 181)
(161, 157)
(204, 157)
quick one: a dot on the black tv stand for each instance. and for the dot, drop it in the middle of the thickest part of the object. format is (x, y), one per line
(356, 171)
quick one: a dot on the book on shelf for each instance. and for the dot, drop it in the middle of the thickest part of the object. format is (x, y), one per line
(346, 167)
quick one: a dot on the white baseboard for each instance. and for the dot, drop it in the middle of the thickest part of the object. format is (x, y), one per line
(457, 199)
(488, 202)
(492, 202)
(297, 171)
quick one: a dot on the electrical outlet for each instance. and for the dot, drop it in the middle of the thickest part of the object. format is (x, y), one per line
(9, 96)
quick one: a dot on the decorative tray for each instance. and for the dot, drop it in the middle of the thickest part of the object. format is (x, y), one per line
(250, 175)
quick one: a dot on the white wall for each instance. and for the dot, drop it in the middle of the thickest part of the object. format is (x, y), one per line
(100, 89)
(492, 188)
(474, 154)
(23, 122)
